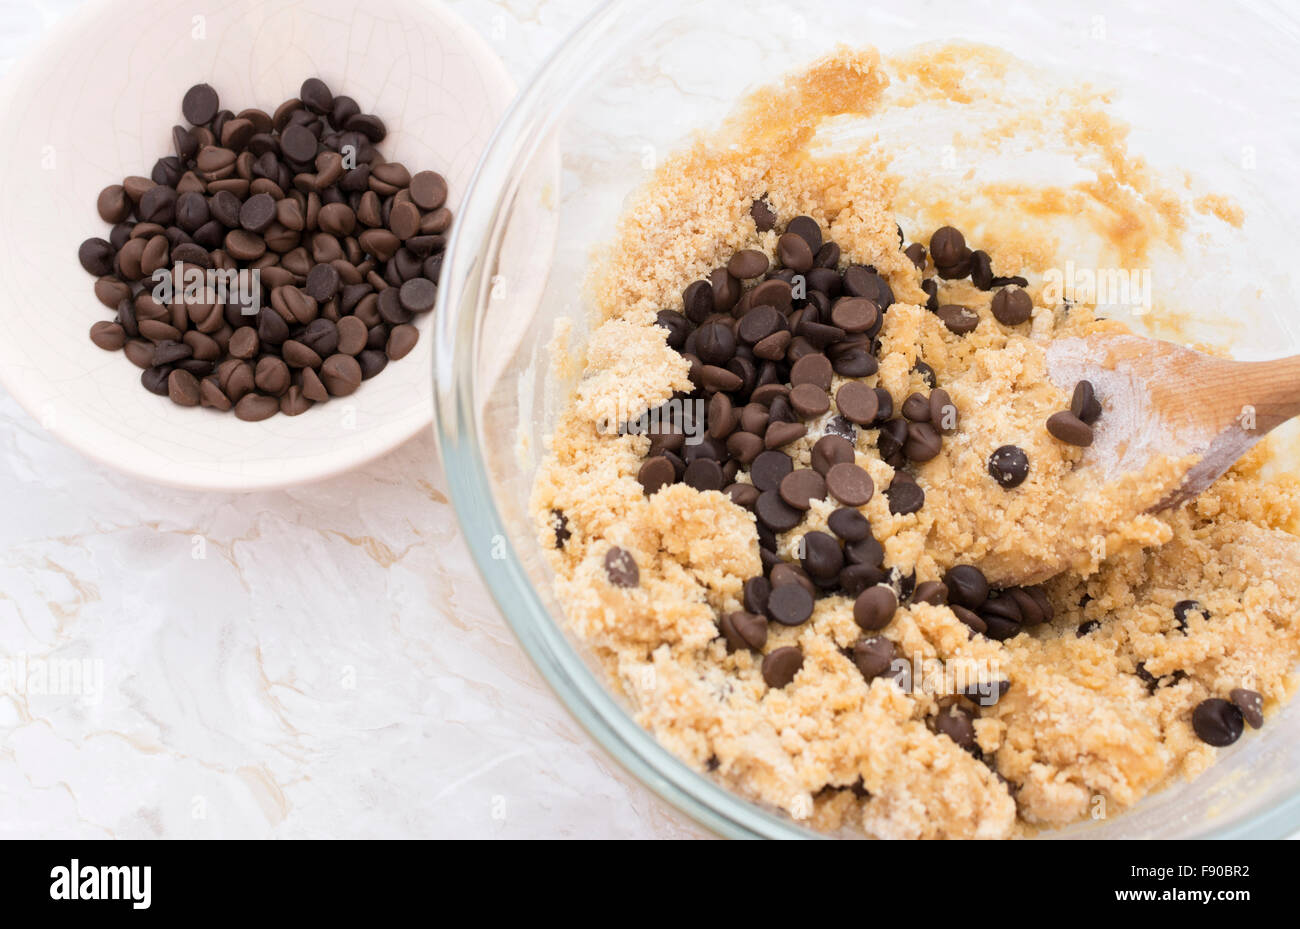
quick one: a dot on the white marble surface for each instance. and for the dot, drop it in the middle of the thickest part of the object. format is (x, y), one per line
(320, 662)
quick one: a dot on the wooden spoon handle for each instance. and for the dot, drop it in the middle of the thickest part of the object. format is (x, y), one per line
(1267, 391)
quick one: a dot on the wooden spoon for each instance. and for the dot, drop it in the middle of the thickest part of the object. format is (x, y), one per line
(1161, 398)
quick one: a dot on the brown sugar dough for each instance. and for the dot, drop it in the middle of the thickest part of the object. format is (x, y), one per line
(1078, 729)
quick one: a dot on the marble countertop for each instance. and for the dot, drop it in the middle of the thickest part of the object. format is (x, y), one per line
(317, 662)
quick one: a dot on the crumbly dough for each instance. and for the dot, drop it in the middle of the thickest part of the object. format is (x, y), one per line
(1078, 730)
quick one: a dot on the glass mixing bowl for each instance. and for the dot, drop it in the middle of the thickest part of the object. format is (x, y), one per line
(1201, 93)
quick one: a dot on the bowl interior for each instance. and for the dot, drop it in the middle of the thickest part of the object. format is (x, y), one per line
(97, 102)
(631, 85)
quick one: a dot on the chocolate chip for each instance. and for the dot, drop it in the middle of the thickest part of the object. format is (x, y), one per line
(857, 577)
(316, 96)
(956, 722)
(743, 630)
(183, 388)
(298, 144)
(1084, 403)
(842, 428)
(769, 468)
(678, 326)
(789, 604)
(874, 608)
(861, 281)
(341, 375)
(855, 362)
(323, 282)
(855, 314)
(931, 289)
(621, 568)
(966, 586)
(807, 229)
(1251, 705)
(916, 408)
(703, 474)
(794, 253)
(849, 524)
(1070, 429)
(743, 495)
(822, 557)
(981, 271)
(969, 618)
(923, 442)
(775, 293)
(775, 513)
(108, 336)
(1012, 306)
(943, 412)
(764, 216)
(1009, 466)
(904, 494)
(947, 246)
(781, 434)
(714, 378)
(755, 594)
(780, 666)
(744, 447)
(865, 551)
(999, 628)
(254, 408)
(656, 473)
(799, 488)
(1086, 628)
(829, 451)
(1217, 722)
(958, 319)
(96, 256)
(812, 369)
(849, 484)
(957, 271)
(873, 656)
(809, 401)
(697, 301)
(256, 214)
(561, 527)
(858, 403)
(1146, 676)
(890, 439)
(200, 104)
(428, 190)
(784, 573)
(932, 592)
(1183, 607)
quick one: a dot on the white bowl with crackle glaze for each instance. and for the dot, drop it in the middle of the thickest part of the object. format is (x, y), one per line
(96, 102)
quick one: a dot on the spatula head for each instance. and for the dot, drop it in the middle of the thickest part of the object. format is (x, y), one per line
(1159, 399)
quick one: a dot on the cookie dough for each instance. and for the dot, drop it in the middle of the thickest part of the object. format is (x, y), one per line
(1098, 708)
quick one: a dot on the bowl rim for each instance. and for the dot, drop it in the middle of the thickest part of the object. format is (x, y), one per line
(467, 274)
(84, 436)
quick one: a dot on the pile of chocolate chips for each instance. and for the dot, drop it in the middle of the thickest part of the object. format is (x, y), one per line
(763, 344)
(347, 249)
